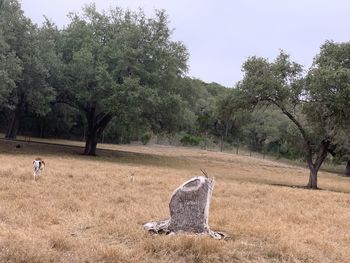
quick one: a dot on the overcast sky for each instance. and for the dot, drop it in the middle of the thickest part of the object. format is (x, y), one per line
(220, 35)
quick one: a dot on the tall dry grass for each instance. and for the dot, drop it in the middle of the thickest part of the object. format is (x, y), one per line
(86, 209)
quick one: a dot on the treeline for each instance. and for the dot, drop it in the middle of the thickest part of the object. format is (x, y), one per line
(118, 76)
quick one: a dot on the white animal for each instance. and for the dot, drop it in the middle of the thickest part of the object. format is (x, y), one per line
(38, 166)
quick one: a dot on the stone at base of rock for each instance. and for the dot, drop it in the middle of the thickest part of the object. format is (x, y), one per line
(157, 227)
(218, 235)
(161, 227)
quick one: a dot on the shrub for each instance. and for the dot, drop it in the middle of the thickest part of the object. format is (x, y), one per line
(145, 138)
(189, 139)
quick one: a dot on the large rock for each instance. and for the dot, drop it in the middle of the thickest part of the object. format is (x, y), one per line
(189, 210)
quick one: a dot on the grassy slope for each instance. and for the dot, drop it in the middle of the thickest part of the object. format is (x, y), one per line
(87, 209)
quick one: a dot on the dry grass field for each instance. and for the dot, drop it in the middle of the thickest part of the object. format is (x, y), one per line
(86, 209)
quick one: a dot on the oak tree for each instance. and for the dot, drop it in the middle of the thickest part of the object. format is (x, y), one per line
(315, 104)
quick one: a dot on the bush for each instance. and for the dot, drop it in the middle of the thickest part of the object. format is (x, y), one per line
(145, 138)
(192, 140)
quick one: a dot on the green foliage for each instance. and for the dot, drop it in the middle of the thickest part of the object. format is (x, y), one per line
(120, 64)
(329, 96)
(10, 70)
(191, 140)
(328, 88)
(315, 105)
(26, 57)
(117, 67)
(22, 37)
(146, 137)
(123, 64)
(199, 103)
(279, 82)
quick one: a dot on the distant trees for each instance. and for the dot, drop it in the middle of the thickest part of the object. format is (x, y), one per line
(259, 128)
(200, 106)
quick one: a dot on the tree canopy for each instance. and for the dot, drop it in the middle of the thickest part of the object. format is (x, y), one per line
(121, 64)
(24, 61)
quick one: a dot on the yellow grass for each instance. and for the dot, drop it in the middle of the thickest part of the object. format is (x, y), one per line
(86, 209)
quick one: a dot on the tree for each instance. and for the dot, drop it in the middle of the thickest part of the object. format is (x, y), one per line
(10, 64)
(121, 65)
(30, 88)
(315, 104)
(330, 90)
(10, 70)
(262, 128)
(226, 116)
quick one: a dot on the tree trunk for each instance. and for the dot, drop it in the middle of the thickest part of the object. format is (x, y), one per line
(91, 143)
(347, 169)
(12, 129)
(222, 143)
(84, 133)
(314, 167)
(41, 129)
(312, 184)
(96, 125)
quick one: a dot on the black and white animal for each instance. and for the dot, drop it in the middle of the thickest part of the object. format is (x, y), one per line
(38, 166)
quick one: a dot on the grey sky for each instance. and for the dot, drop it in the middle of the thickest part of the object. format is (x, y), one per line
(220, 35)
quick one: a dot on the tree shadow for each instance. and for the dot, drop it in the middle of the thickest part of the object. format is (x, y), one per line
(306, 188)
(103, 155)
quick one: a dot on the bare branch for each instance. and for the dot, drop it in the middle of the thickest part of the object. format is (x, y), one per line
(204, 172)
